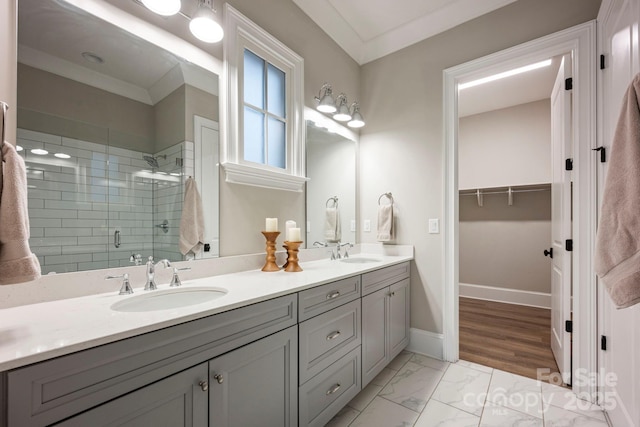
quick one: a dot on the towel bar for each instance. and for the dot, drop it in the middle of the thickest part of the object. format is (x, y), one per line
(387, 195)
(333, 199)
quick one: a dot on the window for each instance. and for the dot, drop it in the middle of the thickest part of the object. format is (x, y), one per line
(264, 121)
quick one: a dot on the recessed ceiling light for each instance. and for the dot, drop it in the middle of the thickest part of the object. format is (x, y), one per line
(163, 7)
(39, 151)
(62, 156)
(19, 148)
(92, 57)
(505, 74)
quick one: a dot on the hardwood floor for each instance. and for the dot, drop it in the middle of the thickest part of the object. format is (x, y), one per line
(513, 338)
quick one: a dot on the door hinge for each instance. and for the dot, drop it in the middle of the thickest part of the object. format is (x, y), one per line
(568, 83)
(568, 165)
(603, 342)
(568, 326)
(602, 63)
(603, 153)
(568, 245)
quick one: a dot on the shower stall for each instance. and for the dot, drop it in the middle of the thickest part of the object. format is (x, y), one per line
(94, 205)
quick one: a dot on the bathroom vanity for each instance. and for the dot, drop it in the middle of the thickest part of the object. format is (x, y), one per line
(277, 349)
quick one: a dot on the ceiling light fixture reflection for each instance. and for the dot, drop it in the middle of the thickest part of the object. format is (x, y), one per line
(163, 7)
(19, 148)
(39, 152)
(505, 74)
(92, 57)
(62, 156)
(204, 23)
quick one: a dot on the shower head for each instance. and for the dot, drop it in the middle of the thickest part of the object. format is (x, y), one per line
(153, 161)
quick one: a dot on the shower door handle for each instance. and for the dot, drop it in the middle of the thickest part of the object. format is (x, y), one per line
(116, 238)
(549, 252)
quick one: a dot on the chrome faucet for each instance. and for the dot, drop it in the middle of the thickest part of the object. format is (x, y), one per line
(151, 271)
(346, 249)
(320, 244)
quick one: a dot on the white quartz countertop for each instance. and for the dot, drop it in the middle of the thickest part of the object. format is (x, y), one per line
(37, 332)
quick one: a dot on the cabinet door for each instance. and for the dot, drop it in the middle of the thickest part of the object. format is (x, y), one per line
(178, 400)
(256, 385)
(398, 317)
(374, 334)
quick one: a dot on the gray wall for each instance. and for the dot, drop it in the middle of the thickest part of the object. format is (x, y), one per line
(401, 148)
(501, 245)
(510, 146)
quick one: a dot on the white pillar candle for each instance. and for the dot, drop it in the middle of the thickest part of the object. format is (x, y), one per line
(294, 234)
(271, 224)
(287, 226)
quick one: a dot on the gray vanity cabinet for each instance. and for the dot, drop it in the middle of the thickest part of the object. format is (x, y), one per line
(385, 318)
(177, 401)
(256, 385)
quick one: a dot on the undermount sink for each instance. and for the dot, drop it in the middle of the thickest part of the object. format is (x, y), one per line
(359, 260)
(168, 299)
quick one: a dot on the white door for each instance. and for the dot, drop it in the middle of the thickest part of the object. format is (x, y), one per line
(561, 136)
(206, 164)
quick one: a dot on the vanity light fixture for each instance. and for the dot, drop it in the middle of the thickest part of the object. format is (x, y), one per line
(163, 7)
(326, 103)
(204, 23)
(342, 114)
(357, 121)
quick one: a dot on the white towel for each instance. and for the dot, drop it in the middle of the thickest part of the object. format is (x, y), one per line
(617, 257)
(192, 220)
(332, 227)
(17, 262)
(385, 223)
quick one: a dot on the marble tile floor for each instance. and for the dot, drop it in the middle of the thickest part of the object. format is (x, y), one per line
(416, 390)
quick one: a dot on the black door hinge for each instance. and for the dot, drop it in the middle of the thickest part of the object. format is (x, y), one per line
(603, 342)
(568, 165)
(568, 245)
(568, 326)
(602, 64)
(603, 153)
(568, 83)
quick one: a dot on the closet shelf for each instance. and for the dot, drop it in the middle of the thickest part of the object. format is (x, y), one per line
(509, 191)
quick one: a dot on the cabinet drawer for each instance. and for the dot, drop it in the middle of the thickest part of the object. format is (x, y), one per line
(323, 298)
(326, 338)
(379, 279)
(324, 395)
(50, 391)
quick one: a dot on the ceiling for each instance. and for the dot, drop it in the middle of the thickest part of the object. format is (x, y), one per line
(370, 29)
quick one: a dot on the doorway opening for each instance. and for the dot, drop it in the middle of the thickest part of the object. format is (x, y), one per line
(579, 42)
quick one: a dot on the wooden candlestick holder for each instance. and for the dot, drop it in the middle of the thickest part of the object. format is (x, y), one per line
(270, 264)
(292, 265)
(286, 248)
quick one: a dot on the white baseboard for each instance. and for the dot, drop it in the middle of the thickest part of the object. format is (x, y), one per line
(425, 342)
(509, 296)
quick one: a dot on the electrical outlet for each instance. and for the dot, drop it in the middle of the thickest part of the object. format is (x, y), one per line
(434, 226)
(353, 225)
(366, 226)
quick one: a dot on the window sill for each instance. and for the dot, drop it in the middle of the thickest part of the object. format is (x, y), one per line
(258, 177)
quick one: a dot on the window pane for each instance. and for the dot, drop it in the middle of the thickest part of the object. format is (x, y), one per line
(253, 135)
(253, 79)
(277, 143)
(276, 91)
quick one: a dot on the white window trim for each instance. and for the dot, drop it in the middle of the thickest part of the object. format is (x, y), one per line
(240, 32)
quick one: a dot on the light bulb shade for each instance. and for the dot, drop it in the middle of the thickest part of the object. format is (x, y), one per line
(326, 103)
(342, 114)
(204, 24)
(356, 118)
(163, 7)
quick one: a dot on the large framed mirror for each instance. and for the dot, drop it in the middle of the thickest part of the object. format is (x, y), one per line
(331, 151)
(110, 127)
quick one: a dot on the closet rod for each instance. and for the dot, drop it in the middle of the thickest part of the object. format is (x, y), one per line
(484, 193)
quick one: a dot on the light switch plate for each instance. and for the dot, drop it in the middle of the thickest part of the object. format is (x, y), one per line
(366, 226)
(434, 226)
(308, 227)
(353, 225)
